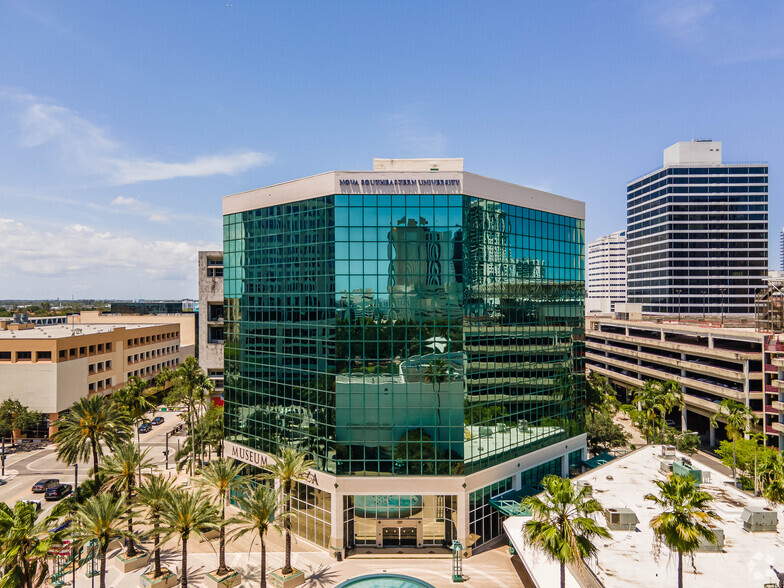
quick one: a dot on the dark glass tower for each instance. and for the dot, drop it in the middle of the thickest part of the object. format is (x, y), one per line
(697, 233)
(420, 341)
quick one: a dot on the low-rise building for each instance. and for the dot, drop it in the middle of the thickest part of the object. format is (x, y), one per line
(710, 361)
(747, 536)
(49, 367)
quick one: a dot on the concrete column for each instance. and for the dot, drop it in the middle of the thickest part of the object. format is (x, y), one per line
(53, 428)
(684, 426)
(710, 341)
(463, 527)
(336, 539)
(746, 383)
(712, 435)
(565, 466)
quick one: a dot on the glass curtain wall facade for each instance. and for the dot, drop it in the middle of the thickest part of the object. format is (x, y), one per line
(401, 335)
(406, 335)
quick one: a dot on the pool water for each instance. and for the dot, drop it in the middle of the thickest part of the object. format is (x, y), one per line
(384, 581)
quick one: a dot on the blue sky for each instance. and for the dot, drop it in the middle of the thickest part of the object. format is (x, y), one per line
(122, 124)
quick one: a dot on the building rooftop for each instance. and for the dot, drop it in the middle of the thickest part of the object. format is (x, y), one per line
(62, 331)
(627, 559)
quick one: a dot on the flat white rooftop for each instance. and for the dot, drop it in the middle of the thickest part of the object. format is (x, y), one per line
(627, 559)
(69, 330)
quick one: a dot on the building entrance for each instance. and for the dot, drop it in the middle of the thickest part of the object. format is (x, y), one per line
(399, 537)
(400, 533)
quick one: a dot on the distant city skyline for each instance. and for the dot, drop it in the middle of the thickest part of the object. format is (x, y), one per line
(125, 124)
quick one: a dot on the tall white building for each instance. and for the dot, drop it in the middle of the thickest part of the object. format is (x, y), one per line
(605, 271)
(697, 233)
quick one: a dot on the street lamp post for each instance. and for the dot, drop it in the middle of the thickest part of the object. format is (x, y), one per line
(2, 457)
(166, 451)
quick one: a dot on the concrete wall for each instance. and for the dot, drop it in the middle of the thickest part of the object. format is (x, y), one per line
(210, 292)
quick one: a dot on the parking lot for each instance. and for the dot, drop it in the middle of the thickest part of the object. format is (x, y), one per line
(30, 463)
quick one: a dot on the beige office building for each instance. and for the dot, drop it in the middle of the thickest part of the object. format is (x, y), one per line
(49, 367)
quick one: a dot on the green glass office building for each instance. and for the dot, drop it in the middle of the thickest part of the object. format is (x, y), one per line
(418, 331)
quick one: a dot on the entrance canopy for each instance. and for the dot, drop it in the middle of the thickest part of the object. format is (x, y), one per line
(508, 503)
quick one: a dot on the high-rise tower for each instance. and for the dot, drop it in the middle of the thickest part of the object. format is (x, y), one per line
(697, 233)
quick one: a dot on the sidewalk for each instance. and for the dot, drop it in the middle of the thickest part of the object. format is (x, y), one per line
(493, 568)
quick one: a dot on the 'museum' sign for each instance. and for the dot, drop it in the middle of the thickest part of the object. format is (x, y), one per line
(260, 459)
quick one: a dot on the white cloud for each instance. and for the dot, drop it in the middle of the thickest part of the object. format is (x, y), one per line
(724, 32)
(685, 19)
(414, 137)
(87, 149)
(83, 253)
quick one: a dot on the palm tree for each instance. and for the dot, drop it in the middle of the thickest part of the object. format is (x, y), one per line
(670, 398)
(738, 419)
(153, 494)
(191, 386)
(90, 423)
(287, 468)
(772, 477)
(258, 514)
(685, 518)
(25, 540)
(219, 479)
(562, 525)
(120, 469)
(100, 519)
(647, 401)
(185, 513)
(134, 397)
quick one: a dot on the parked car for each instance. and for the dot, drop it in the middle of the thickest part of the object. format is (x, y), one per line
(44, 485)
(145, 428)
(157, 421)
(58, 492)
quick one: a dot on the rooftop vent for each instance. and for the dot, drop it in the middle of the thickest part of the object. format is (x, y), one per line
(621, 519)
(706, 545)
(759, 518)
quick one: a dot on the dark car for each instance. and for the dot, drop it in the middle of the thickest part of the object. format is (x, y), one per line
(44, 485)
(157, 421)
(145, 428)
(58, 492)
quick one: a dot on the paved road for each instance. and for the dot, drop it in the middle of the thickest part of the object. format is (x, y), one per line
(25, 468)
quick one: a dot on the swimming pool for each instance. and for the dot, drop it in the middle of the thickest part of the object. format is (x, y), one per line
(384, 581)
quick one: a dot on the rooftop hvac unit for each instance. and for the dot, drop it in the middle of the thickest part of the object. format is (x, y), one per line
(665, 466)
(684, 467)
(621, 519)
(706, 545)
(759, 518)
(668, 451)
